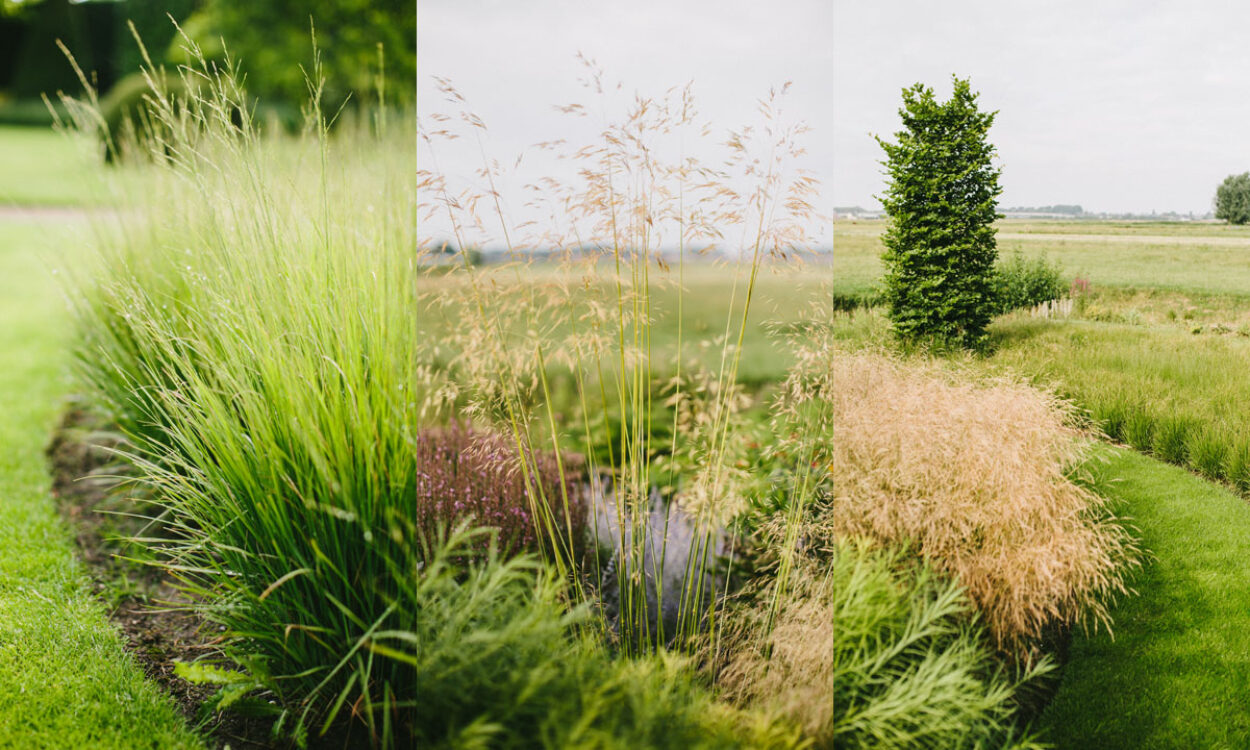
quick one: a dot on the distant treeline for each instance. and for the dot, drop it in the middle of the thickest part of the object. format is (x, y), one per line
(445, 252)
(1077, 212)
(1073, 210)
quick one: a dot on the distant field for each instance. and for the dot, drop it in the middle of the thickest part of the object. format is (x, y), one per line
(710, 307)
(1197, 257)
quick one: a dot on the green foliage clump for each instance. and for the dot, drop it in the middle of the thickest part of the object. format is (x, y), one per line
(152, 24)
(1238, 465)
(910, 664)
(1232, 199)
(1139, 429)
(128, 109)
(531, 679)
(272, 41)
(1110, 414)
(1171, 435)
(261, 367)
(941, 200)
(1208, 453)
(1021, 283)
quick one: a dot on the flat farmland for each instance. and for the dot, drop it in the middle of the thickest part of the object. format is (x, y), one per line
(1195, 256)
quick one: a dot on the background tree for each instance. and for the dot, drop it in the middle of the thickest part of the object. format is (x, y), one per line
(942, 203)
(1232, 199)
(271, 40)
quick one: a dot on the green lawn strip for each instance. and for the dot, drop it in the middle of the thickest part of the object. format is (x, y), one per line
(1176, 674)
(45, 168)
(65, 680)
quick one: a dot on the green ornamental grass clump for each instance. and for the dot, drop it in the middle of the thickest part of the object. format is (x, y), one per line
(1171, 437)
(1238, 465)
(1209, 454)
(249, 328)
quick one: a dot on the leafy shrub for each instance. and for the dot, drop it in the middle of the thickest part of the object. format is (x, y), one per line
(1232, 199)
(272, 40)
(464, 472)
(905, 664)
(941, 200)
(529, 679)
(1021, 283)
(152, 24)
(975, 474)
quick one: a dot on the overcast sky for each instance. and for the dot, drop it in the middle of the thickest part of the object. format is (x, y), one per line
(514, 60)
(1119, 106)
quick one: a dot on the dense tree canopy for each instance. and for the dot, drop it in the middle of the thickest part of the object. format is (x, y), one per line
(942, 203)
(1232, 199)
(272, 41)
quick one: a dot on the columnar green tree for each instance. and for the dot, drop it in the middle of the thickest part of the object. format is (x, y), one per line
(942, 203)
(1232, 199)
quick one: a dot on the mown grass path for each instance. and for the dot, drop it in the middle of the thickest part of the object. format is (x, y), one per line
(1177, 672)
(65, 680)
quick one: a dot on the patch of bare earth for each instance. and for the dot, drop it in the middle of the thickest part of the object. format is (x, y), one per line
(155, 616)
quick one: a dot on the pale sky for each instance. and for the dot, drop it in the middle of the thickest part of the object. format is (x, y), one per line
(1120, 106)
(514, 60)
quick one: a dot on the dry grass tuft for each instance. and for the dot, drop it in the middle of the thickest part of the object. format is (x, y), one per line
(790, 668)
(974, 474)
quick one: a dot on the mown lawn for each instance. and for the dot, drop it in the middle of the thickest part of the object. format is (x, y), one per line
(1177, 671)
(42, 167)
(65, 680)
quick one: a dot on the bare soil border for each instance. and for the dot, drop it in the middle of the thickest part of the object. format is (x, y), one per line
(147, 606)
